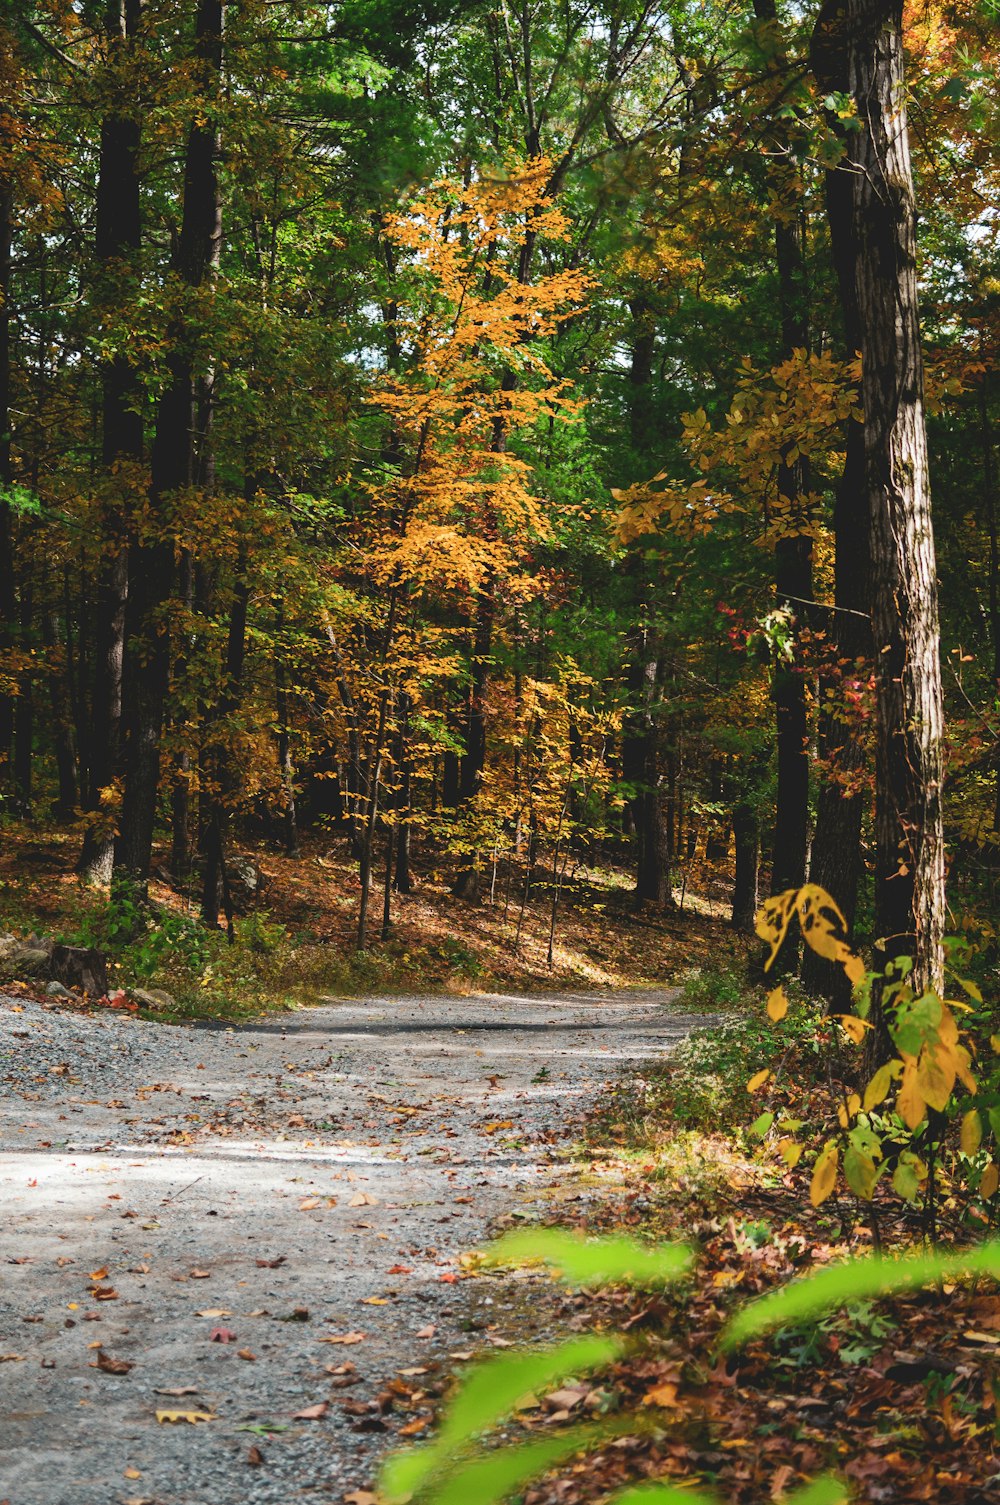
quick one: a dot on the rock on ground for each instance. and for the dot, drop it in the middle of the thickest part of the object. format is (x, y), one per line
(215, 1208)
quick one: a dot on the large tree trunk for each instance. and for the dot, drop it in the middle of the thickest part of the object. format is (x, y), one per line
(793, 551)
(837, 861)
(8, 597)
(641, 758)
(226, 772)
(746, 835)
(118, 239)
(858, 48)
(176, 459)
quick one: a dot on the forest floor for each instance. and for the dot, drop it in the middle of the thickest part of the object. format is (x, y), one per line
(233, 1258)
(296, 932)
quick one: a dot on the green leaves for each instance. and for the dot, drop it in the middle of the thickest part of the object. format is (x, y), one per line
(593, 1261)
(490, 1393)
(857, 1280)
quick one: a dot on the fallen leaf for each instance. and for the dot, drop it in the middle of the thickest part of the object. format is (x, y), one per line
(374, 1301)
(177, 1390)
(12, 1358)
(111, 1366)
(310, 1204)
(363, 1199)
(564, 1400)
(101, 1274)
(661, 1395)
(215, 1311)
(221, 1335)
(426, 1332)
(200, 1274)
(400, 1269)
(131, 1473)
(244, 1353)
(104, 1293)
(271, 1264)
(254, 1456)
(418, 1424)
(311, 1413)
(192, 1416)
(361, 1497)
(504, 1123)
(344, 1338)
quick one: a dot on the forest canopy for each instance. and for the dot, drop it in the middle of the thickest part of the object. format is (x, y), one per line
(495, 432)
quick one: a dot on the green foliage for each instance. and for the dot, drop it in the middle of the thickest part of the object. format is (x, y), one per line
(857, 1280)
(488, 1395)
(594, 1261)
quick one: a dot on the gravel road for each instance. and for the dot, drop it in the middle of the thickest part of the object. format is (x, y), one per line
(217, 1208)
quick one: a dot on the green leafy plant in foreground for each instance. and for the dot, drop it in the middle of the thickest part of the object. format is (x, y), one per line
(460, 1467)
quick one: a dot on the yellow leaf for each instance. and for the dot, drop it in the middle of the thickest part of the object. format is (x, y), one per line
(661, 1395)
(853, 1026)
(847, 1111)
(790, 1151)
(824, 1177)
(878, 1088)
(191, 1416)
(990, 1181)
(972, 1132)
(910, 1102)
(757, 1080)
(854, 967)
(936, 1077)
(777, 1004)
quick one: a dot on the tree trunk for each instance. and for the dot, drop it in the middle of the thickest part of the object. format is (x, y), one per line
(286, 767)
(118, 240)
(225, 770)
(62, 720)
(840, 806)
(24, 709)
(467, 883)
(175, 459)
(746, 835)
(651, 822)
(793, 550)
(8, 596)
(858, 48)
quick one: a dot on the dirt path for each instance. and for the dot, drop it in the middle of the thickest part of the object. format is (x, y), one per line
(214, 1207)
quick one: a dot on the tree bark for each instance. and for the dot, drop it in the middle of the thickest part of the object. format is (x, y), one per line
(118, 242)
(858, 48)
(793, 550)
(8, 588)
(746, 836)
(837, 863)
(62, 719)
(226, 774)
(176, 458)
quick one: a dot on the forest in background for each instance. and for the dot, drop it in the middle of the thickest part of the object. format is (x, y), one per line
(441, 426)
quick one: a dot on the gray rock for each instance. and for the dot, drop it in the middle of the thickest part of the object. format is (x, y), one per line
(80, 967)
(31, 960)
(153, 998)
(244, 878)
(56, 990)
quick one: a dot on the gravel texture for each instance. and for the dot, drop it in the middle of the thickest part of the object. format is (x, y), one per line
(248, 1192)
